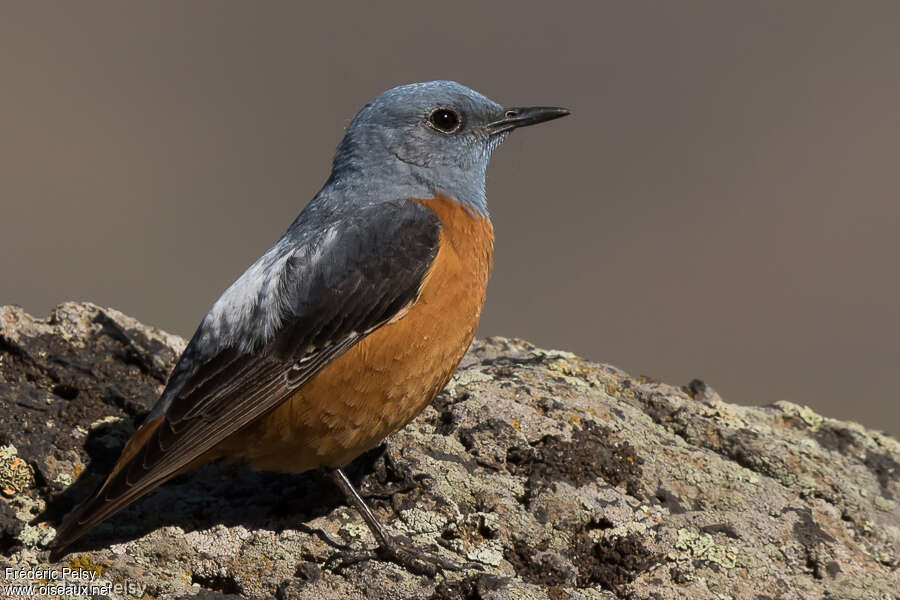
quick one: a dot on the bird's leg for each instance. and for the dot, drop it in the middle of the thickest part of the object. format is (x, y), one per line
(395, 549)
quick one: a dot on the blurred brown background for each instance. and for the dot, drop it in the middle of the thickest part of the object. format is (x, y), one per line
(722, 204)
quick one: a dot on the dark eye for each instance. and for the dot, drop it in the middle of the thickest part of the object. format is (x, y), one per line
(445, 120)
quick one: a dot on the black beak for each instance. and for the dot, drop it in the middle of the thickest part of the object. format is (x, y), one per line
(525, 116)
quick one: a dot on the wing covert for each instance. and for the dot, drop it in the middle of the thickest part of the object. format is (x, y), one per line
(296, 309)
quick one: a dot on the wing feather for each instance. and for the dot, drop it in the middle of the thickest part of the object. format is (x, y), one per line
(323, 293)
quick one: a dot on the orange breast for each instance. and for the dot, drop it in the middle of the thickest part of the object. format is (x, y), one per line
(381, 383)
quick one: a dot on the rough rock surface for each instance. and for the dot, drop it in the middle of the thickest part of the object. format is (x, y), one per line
(562, 477)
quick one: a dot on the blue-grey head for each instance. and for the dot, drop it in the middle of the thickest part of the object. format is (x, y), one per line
(424, 139)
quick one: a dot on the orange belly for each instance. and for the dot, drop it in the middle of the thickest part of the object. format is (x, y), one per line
(385, 380)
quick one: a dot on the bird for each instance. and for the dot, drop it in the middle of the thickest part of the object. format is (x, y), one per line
(350, 324)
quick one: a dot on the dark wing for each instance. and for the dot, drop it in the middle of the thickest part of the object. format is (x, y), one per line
(302, 304)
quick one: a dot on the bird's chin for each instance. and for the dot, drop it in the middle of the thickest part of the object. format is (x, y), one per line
(495, 140)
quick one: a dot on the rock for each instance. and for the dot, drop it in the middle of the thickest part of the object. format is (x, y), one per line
(562, 477)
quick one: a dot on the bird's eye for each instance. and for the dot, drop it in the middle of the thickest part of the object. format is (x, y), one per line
(445, 120)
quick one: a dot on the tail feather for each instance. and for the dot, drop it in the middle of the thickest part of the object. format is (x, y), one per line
(115, 494)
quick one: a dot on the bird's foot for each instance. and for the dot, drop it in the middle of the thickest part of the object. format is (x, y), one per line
(403, 553)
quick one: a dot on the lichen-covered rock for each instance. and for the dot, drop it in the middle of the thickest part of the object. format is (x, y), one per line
(563, 478)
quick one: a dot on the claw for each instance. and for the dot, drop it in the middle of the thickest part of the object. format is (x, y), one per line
(339, 561)
(397, 550)
(403, 553)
